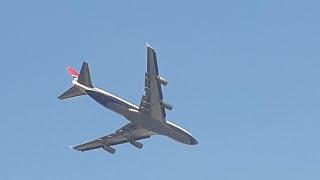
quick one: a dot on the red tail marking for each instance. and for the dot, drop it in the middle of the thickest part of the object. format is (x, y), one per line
(72, 72)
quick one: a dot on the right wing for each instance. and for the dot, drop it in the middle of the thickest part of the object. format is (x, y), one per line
(128, 133)
(152, 102)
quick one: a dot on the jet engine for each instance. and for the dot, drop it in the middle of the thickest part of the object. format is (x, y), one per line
(162, 80)
(109, 149)
(136, 144)
(166, 105)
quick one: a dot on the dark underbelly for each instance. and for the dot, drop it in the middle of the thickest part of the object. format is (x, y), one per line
(108, 101)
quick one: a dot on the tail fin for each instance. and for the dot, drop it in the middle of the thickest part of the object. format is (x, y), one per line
(84, 76)
(72, 92)
(73, 72)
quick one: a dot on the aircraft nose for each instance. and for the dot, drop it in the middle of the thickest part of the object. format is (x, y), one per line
(193, 141)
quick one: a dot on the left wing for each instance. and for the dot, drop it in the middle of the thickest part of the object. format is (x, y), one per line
(128, 133)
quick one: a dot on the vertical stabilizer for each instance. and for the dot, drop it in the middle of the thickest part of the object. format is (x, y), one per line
(84, 77)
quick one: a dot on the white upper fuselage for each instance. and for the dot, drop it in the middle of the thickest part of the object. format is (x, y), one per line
(132, 113)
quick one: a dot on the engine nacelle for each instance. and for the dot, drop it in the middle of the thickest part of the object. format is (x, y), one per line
(136, 144)
(109, 149)
(166, 105)
(162, 80)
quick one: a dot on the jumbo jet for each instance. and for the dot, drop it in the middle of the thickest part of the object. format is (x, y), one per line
(146, 120)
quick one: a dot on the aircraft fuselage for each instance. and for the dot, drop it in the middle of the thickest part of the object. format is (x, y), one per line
(132, 113)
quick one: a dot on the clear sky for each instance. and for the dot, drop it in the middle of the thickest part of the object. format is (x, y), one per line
(244, 79)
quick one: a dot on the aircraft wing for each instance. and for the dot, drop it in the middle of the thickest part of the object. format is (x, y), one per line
(152, 102)
(128, 133)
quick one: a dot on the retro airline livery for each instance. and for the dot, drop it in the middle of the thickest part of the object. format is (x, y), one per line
(147, 119)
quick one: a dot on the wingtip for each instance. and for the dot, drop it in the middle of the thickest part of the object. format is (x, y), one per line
(148, 45)
(74, 148)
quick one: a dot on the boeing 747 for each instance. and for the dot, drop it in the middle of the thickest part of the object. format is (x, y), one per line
(145, 120)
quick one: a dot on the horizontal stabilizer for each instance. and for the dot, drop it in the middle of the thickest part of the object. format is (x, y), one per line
(72, 92)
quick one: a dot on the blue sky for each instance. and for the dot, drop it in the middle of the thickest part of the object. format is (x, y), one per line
(244, 78)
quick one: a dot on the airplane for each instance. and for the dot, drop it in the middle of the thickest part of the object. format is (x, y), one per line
(146, 120)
